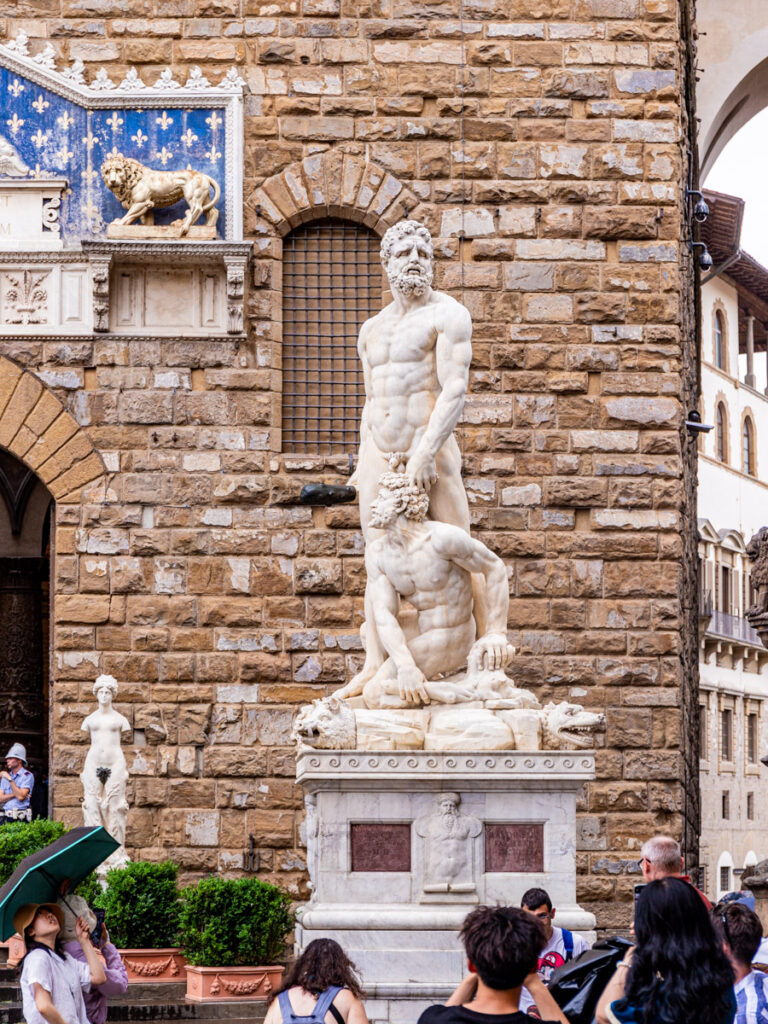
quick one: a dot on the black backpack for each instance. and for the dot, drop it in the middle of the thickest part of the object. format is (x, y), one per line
(577, 985)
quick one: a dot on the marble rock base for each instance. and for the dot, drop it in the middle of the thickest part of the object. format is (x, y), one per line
(402, 845)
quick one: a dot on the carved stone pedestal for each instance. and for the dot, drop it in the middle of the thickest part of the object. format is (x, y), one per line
(402, 845)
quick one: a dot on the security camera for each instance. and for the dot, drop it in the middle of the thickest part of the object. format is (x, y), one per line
(705, 260)
(701, 207)
(701, 210)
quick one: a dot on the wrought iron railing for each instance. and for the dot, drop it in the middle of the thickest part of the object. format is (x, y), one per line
(732, 627)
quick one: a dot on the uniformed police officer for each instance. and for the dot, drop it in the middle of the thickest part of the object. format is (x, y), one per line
(16, 786)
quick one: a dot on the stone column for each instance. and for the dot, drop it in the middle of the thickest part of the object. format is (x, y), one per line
(750, 380)
(757, 883)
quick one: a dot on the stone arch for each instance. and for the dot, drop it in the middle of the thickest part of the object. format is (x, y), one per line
(333, 184)
(733, 87)
(38, 430)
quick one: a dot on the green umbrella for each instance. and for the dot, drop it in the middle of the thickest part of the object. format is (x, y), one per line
(40, 877)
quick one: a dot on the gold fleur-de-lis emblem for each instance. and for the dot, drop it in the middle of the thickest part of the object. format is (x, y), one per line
(164, 155)
(139, 138)
(40, 104)
(63, 155)
(90, 140)
(115, 121)
(213, 154)
(90, 209)
(113, 152)
(64, 120)
(16, 87)
(188, 137)
(214, 120)
(89, 174)
(165, 122)
(38, 172)
(39, 139)
(14, 123)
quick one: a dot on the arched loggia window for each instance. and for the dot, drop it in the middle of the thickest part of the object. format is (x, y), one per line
(332, 283)
(719, 340)
(748, 446)
(721, 430)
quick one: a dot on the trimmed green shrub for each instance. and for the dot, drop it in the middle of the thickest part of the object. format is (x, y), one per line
(234, 922)
(20, 838)
(142, 905)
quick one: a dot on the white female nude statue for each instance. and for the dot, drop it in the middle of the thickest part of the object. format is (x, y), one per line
(105, 772)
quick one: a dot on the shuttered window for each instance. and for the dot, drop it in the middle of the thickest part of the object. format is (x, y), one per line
(332, 283)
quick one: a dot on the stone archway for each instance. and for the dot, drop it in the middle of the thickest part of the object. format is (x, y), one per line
(44, 454)
(333, 184)
(733, 82)
(38, 430)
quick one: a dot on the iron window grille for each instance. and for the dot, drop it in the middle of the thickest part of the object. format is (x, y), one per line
(332, 283)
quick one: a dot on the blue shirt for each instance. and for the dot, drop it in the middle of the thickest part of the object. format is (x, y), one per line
(24, 779)
(752, 999)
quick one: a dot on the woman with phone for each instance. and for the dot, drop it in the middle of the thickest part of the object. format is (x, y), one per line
(53, 982)
(116, 975)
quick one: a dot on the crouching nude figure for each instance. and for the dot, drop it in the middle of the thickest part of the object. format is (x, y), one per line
(105, 772)
(429, 565)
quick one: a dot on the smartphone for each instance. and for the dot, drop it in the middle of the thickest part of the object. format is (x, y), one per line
(639, 886)
(97, 931)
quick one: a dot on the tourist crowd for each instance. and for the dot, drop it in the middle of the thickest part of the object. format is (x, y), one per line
(689, 963)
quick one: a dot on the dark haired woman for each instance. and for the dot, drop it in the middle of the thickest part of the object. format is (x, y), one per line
(677, 973)
(321, 987)
(52, 982)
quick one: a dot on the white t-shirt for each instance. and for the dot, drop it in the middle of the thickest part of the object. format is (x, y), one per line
(552, 956)
(65, 979)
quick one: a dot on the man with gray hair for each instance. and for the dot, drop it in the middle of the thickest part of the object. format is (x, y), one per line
(661, 857)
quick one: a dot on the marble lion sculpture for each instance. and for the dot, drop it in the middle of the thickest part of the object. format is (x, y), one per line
(141, 189)
(333, 724)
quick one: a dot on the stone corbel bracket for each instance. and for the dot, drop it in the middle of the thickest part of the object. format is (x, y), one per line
(234, 256)
(132, 92)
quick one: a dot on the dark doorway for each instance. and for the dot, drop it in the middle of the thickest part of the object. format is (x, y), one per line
(25, 532)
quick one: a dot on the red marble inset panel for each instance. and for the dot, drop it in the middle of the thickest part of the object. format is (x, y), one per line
(514, 847)
(380, 847)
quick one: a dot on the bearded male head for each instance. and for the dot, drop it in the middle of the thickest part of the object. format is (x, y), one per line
(407, 256)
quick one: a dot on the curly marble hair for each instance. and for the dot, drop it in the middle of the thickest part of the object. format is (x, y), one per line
(400, 230)
(109, 681)
(412, 502)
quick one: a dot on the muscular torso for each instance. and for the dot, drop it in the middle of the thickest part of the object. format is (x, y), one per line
(439, 590)
(399, 353)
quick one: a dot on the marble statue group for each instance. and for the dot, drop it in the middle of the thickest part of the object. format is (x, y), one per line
(436, 599)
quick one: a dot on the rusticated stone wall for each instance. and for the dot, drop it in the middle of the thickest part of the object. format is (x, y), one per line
(541, 141)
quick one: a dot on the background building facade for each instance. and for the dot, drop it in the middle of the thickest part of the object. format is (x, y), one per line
(733, 506)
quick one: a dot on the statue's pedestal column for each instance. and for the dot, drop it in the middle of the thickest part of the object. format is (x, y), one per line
(401, 845)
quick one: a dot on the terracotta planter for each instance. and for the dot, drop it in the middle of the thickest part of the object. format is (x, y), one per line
(145, 965)
(208, 984)
(15, 947)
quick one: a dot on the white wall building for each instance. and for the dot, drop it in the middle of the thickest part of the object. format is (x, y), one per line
(733, 505)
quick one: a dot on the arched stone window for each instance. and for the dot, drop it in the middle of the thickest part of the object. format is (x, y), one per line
(748, 446)
(720, 339)
(721, 433)
(332, 283)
